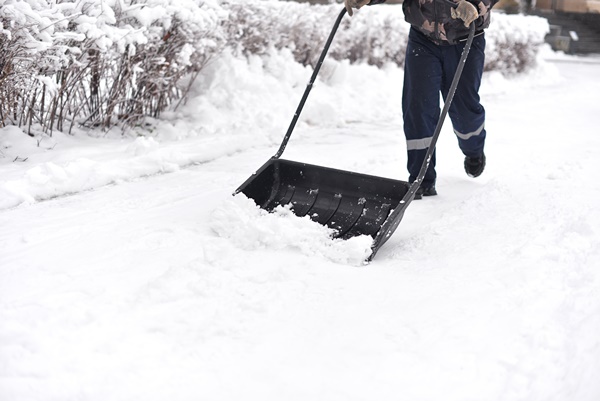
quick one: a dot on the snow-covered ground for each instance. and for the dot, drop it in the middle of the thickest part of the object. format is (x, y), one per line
(129, 272)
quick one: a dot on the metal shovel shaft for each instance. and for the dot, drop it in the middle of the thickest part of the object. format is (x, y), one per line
(309, 86)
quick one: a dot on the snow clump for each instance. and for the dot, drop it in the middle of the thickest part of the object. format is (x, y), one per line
(249, 227)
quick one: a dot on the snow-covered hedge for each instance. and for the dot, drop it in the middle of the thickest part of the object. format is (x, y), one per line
(97, 64)
(376, 35)
(513, 42)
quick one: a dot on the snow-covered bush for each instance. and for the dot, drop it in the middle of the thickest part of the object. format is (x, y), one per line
(375, 35)
(96, 63)
(513, 42)
(256, 27)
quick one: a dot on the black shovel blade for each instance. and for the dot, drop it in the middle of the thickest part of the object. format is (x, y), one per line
(350, 203)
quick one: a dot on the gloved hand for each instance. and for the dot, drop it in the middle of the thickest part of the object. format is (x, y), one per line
(354, 4)
(465, 11)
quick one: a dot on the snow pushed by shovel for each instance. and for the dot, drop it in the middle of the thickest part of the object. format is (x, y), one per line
(250, 228)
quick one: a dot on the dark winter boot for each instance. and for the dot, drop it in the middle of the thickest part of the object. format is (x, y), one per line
(421, 192)
(474, 165)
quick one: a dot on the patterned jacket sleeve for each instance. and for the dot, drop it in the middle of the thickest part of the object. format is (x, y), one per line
(483, 6)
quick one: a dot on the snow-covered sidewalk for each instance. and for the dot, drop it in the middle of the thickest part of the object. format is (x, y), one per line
(118, 282)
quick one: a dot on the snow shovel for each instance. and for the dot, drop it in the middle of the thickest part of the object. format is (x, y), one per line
(350, 203)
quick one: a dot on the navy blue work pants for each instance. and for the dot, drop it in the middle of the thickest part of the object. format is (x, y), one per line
(428, 71)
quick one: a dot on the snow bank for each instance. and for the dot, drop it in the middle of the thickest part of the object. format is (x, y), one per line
(237, 103)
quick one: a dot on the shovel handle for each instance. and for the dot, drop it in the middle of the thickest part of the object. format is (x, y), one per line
(310, 84)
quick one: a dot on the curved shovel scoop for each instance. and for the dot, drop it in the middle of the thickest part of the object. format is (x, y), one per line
(351, 204)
